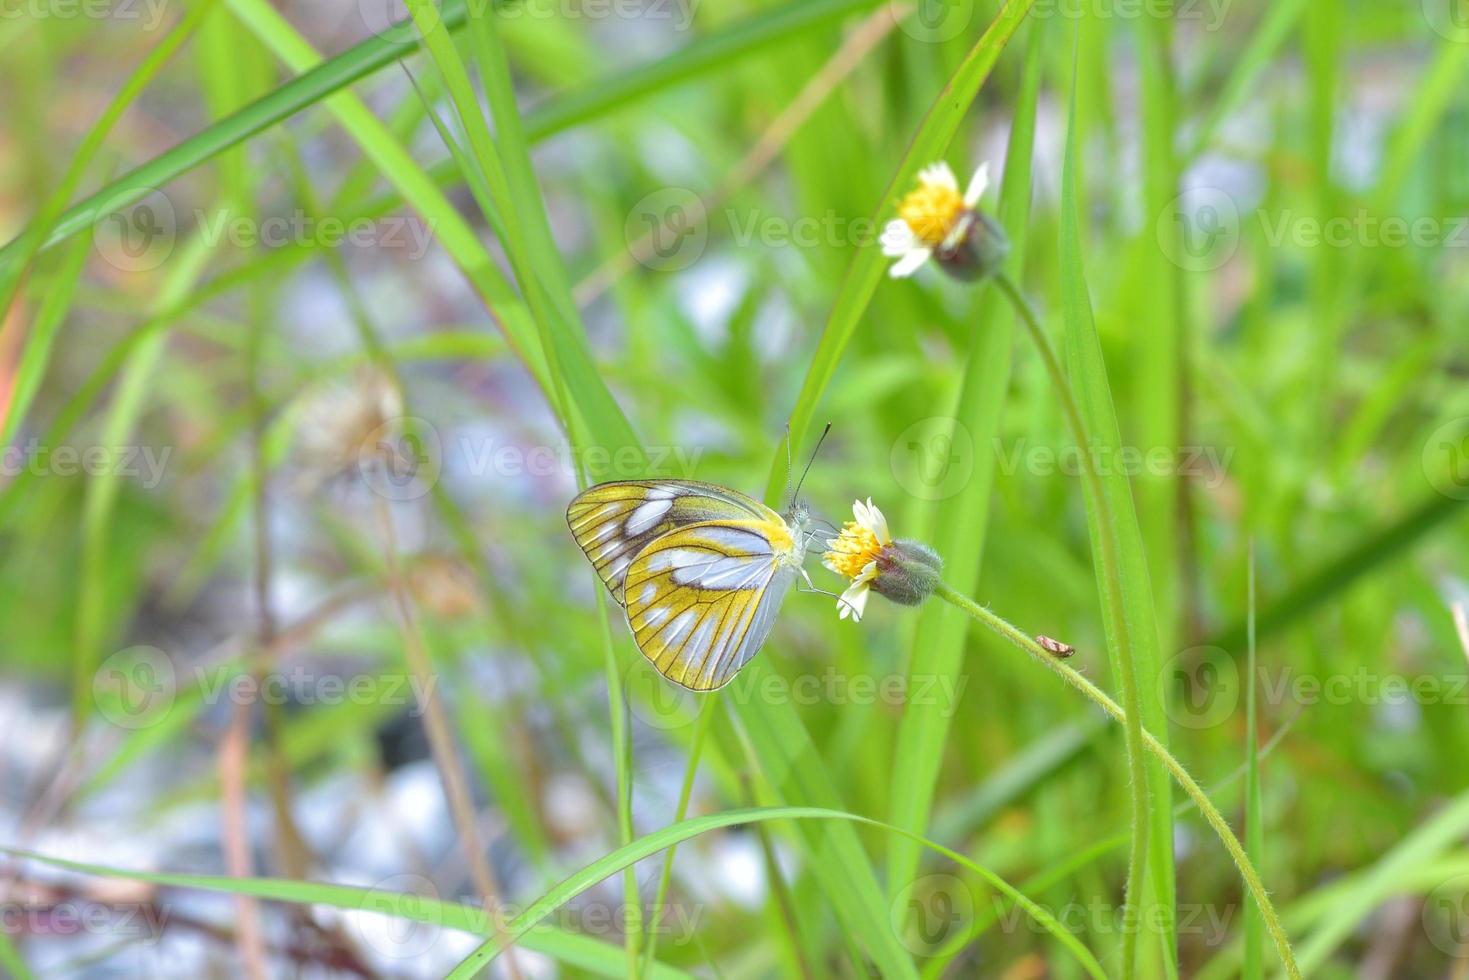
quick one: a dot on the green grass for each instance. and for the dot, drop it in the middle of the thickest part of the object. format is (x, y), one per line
(902, 797)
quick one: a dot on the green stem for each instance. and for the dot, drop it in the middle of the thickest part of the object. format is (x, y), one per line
(1180, 775)
(686, 791)
(1121, 637)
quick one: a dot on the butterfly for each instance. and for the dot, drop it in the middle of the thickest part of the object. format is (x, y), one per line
(699, 569)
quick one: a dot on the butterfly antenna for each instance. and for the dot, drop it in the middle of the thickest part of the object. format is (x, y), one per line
(797, 492)
(789, 496)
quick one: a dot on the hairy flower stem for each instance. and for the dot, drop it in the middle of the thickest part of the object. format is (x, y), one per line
(1180, 775)
(1112, 595)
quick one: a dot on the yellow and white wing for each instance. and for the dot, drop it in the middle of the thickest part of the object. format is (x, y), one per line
(613, 522)
(701, 599)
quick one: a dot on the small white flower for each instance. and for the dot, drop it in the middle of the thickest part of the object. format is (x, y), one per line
(853, 553)
(932, 216)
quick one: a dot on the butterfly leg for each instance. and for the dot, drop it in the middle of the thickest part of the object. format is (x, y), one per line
(811, 587)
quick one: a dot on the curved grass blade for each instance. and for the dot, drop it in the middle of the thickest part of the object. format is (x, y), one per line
(583, 952)
(938, 638)
(865, 272)
(651, 844)
(314, 84)
(1123, 586)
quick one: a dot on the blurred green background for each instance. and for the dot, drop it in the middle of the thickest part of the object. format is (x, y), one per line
(311, 331)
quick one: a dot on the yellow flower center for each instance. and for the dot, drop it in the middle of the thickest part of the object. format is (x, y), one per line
(852, 550)
(931, 211)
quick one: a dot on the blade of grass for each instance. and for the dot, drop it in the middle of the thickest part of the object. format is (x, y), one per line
(779, 737)
(401, 170)
(582, 952)
(650, 844)
(1424, 843)
(313, 84)
(1155, 746)
(1370, 552)
(1164, 390)
(35, 235)
(1124, 589)
(127, 405)
(685, 792)
(1254, 927)
(929, 143)
(35, 355)
(516, 196)
(1266, 39)
(938, 637)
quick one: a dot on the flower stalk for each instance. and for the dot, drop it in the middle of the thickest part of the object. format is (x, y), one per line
(1211, 813)
(1111, 576)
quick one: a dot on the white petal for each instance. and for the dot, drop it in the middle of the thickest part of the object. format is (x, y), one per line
(853, 602)
(910, 263)
(977, 184)
(939, 173)
(878, 524)
(898, 239)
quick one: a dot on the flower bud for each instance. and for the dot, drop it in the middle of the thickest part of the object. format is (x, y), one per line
(978, 250)
(907, 572)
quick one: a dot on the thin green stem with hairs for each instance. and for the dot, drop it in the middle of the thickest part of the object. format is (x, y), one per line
(1180, 775)
(1112, 595)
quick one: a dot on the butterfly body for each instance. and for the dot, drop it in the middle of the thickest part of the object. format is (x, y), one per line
(699, 569)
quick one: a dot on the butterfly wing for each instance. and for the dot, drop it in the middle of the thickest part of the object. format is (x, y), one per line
(701, 599)
(613, 522)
